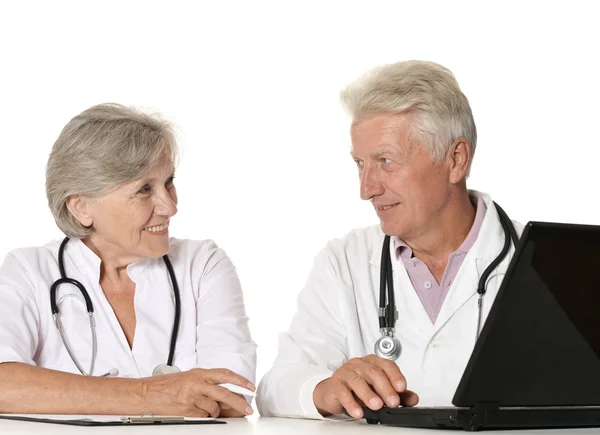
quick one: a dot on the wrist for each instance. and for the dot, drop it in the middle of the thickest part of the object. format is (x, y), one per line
(319, 398)
(141, 394)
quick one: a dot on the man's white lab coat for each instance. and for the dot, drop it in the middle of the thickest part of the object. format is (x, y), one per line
(337, 319)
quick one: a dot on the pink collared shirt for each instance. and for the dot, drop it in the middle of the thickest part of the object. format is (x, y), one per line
(430, 292)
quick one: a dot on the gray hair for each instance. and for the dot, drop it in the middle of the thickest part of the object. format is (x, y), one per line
(100, 149)
(428, 90)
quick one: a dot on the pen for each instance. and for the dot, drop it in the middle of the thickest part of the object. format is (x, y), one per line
(237, 389)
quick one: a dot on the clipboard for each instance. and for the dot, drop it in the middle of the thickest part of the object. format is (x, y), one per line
(110, 420)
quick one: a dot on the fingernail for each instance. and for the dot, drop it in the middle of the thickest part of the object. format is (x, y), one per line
(376, 402)
(394, 401)
(251, 386)
(357, 413)
(400, 386)
(249, 410)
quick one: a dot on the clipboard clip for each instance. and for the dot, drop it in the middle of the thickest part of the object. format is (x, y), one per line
(151, 419)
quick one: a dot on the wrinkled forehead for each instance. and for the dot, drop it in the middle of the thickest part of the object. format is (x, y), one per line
(162, 169)
(162, 165)
(383, 133)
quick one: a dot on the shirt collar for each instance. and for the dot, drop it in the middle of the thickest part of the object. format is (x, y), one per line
(405, 252)
(86, 260)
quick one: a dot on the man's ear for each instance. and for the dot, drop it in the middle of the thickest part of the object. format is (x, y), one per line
(78, 205)
(460, 156)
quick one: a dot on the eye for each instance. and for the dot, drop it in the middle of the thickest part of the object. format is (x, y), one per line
(385, 161)
(170, 182)
(145, 189)
(358, 162)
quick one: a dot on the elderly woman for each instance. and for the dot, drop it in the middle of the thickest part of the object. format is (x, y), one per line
(155, 324)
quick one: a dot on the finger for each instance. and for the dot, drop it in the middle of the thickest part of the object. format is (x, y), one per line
(342, 394)
(392, 372)
(363, 391)
(223, 395)
(371, 368)
(230, 413)
(192, 403)
(377, 377)
(409, 398)
(209, 406)
(222, 376)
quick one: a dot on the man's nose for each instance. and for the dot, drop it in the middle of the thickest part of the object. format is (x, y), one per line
(370, 185)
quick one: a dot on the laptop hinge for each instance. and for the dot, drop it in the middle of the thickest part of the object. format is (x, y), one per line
(486, 406)
(480, 414)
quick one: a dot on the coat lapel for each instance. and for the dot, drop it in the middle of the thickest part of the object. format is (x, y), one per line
(486, 248)
(408, 304)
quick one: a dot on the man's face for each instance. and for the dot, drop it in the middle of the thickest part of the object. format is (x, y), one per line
(397, 174)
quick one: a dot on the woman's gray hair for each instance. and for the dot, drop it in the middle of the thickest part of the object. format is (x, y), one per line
(100, 149)
(428, 90)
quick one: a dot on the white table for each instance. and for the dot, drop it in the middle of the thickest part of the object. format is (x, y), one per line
(254, 425)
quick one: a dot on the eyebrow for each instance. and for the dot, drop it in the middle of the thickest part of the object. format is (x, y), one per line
(385, 150)
(148, 180)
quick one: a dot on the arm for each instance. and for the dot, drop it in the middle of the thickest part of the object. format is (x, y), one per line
(313, 347)
(313, 376)
(26, 388)
(223, 334)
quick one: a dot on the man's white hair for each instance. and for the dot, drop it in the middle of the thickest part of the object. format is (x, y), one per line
(425, 89)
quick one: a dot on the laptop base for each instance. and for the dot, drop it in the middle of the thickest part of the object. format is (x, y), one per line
(486, 418)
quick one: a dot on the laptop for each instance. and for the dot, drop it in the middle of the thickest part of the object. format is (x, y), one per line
(537, 361)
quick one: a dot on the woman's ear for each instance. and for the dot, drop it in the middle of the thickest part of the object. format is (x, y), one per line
(78, 206)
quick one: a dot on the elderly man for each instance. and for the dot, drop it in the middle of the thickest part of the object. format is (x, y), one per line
(413, 141)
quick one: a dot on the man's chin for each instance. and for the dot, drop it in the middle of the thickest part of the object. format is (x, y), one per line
(394, 229)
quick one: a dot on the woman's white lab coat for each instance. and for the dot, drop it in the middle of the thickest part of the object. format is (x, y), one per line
(213, 329)
(337, 319)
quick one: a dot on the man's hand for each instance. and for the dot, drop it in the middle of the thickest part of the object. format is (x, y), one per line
(372, 380)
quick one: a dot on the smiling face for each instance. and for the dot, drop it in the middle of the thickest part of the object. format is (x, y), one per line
(131, 222)
(408, 189)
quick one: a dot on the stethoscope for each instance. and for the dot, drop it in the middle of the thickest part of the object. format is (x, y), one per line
(388, 345)
(158, 370)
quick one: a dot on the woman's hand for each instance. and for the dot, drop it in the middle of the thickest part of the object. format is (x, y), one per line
(228, 412)
(195, 393)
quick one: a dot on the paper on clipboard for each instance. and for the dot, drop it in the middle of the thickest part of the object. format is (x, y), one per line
(100, 420)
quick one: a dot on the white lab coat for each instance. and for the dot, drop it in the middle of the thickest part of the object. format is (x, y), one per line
(337, 319)
(213, 329)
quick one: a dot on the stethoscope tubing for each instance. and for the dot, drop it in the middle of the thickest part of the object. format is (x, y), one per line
(387, 311)
(90, 310)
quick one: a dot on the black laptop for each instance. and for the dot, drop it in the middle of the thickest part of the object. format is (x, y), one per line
(537, 361)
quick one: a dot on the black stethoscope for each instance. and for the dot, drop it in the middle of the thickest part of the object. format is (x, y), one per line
(388, 346)
(158, 370)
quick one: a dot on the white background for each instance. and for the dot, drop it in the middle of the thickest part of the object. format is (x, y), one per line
(253, 90)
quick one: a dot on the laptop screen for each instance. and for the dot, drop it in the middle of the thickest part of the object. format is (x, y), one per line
(540, 345)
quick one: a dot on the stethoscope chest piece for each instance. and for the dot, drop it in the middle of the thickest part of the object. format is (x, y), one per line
(164, 369)
(388, 347)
